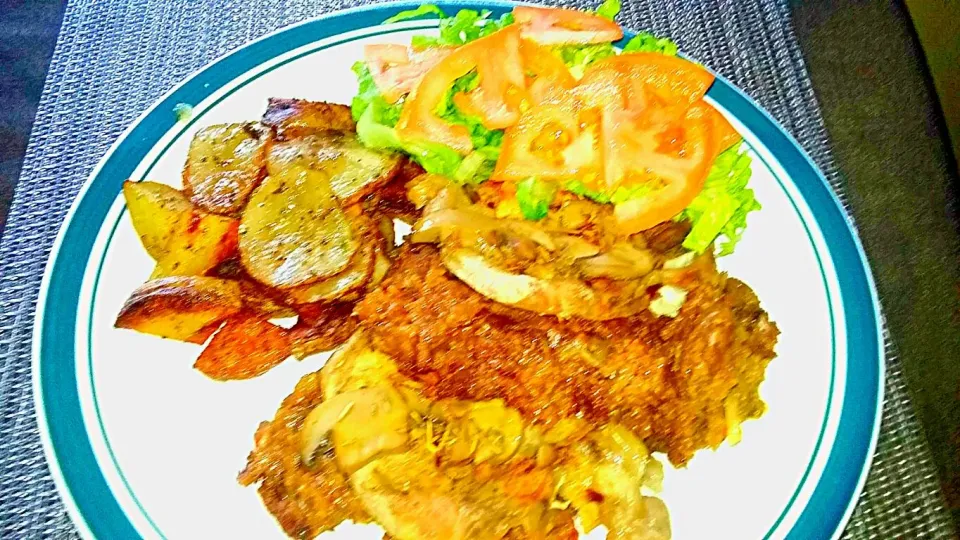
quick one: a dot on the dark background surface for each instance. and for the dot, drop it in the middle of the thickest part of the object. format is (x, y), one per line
(889, 135)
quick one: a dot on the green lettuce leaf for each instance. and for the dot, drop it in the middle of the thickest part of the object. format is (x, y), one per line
(647, 42)
(376, 122)
(580, 189)
(609, 9)
(368, 96)
(425, 9)
(466, 26)
(578, 57)
(534, 198)
(721, 209)
(377, 119)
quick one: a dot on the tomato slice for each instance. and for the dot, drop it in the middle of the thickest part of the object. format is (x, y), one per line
(725, 134)
(558, 26)
(397, 70)
(497, 61)
(554, 141)
(671, 157)
(547, 76)
(496, 100)
(637, 79)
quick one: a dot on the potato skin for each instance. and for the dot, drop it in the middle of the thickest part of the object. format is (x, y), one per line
(293, 232)
(158, 212)
(184, 240)
(225, 163)
(291, 118)
(247, 346)
(180, 307)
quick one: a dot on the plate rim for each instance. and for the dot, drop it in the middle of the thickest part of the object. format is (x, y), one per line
(847, 232)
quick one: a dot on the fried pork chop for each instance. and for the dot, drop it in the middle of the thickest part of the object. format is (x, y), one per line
(680, 384)
(305, 500)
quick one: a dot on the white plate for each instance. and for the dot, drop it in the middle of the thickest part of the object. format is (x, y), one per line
(141, 445)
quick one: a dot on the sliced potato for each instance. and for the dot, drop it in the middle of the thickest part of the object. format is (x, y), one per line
(354, 170)
(246, 346)
(158, 211)
(293, 231)
(562, 297)
(224, 164)
(342, 286)
(180, 307)
(294, 117)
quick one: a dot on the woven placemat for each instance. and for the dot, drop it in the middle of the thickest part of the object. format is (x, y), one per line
(114, 58)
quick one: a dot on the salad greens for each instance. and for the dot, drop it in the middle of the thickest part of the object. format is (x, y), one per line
(424, 9)
(720, 210)
(376, 119)
(647, 42)
(534, 198)
(466, 26)
(609, 9)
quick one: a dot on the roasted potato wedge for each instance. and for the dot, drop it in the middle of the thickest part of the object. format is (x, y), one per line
(563, 297)
(224, 164)
(246, 346)
(207, 240)
(158, 212)
(295, 117)
(180, 307)
(293, 231)
(354, 170)
(184, 240)
(262, 300)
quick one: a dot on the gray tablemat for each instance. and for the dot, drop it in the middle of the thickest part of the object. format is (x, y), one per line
(114, 58)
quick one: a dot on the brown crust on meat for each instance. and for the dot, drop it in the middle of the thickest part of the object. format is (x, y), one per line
(666, 379)
(306, 501)
(322, 327)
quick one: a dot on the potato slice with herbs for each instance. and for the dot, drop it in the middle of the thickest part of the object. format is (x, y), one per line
(293, 231)
(184, 240)
(294, 117)
(355, 171)
(342, 286)
(179, 307)
(224, 164)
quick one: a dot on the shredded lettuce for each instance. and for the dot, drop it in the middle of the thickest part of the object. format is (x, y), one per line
(535, 197)
(721, 209)
(368, 96)
(578, 57)
(423, 10)
(580, 189)
(609, 9)
(183, 111)
(466, 26)
(647, 42)
(376, 121)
